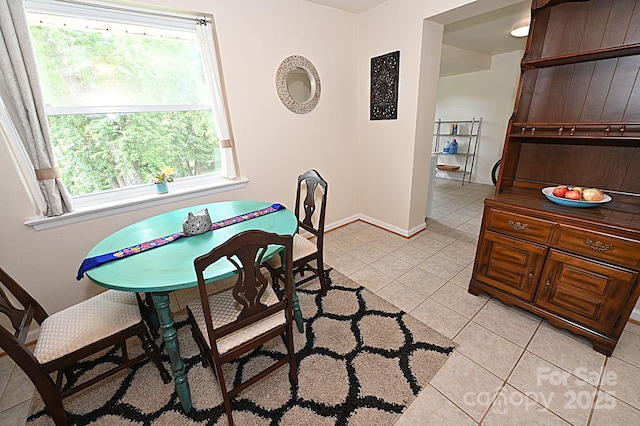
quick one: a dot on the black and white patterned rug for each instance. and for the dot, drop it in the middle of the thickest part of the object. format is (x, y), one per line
(361, 361)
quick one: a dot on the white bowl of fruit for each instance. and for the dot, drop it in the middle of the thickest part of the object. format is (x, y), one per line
(575, 196)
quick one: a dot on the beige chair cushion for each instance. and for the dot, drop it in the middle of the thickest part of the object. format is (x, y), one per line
(85, 323)
(302, 247)
(225, 309)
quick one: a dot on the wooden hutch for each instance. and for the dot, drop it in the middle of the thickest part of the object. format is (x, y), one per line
(576, 121)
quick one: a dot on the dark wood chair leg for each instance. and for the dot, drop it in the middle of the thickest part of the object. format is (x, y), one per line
(225, 394)
(153, 315)
(149, 314)
(70, 375)
(321, 275)
(51, 398)
(55, 409)
(152, 352)
(198, 339)
(293, 366)
(275, 283)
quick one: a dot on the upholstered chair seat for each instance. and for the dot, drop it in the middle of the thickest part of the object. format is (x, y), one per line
(302, 247)
(85, 323)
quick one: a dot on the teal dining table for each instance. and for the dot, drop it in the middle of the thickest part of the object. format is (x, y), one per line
(170, 267)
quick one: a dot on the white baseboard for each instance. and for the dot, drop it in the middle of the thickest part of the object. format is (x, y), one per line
(343, 222)
(392, 228)
(378, 223)
(635, 314)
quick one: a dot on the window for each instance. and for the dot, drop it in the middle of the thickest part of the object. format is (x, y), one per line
(126, 93)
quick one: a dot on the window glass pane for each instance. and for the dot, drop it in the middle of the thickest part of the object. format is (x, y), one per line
(109, 151)
(123, 99)
(91, 63)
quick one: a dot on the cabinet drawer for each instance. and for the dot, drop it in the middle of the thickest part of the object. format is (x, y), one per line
(609, 248)
(520, 226)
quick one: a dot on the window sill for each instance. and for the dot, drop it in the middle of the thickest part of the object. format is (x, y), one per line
(148, 199)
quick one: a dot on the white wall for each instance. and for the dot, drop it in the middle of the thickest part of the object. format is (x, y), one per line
(394, 155)
(488, 94)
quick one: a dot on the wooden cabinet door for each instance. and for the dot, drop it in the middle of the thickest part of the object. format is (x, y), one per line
(509, 264)
(582, 290)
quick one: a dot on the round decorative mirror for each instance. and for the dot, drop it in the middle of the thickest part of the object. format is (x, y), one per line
(298, 84)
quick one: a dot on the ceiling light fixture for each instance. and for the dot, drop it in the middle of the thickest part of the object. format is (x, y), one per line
(520, 31)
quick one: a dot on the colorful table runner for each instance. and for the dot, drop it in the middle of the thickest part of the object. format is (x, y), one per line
(92, 262)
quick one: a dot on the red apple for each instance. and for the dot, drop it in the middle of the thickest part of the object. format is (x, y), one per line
(572, 194)
(560, 190)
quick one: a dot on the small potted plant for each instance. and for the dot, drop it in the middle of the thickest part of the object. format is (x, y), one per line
(162, 178)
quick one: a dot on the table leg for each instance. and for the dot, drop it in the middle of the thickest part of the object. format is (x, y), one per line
(170, 337)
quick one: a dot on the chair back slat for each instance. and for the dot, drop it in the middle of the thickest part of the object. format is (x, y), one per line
(309, 203)
(20, 317)
(251, 283)
(14, 314)
(23, 330)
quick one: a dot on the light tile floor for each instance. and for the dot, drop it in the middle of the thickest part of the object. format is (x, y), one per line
(510, 368)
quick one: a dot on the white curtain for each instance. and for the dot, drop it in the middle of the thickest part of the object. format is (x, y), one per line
(208, 50)
(22, 94)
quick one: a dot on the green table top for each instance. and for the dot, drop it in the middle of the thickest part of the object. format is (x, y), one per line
(170, 267)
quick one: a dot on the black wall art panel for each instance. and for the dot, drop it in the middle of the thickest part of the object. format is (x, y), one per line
(385, 72)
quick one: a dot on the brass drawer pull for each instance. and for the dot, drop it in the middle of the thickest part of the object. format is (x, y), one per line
(547, 283)
(517, 226)
(598, 245)
(533, 269)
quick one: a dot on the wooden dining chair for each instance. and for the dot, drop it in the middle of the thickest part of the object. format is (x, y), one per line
(69, 336)
(311, 205)
(229, 324)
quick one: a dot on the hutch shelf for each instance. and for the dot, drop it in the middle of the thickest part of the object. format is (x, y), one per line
(576, 121)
